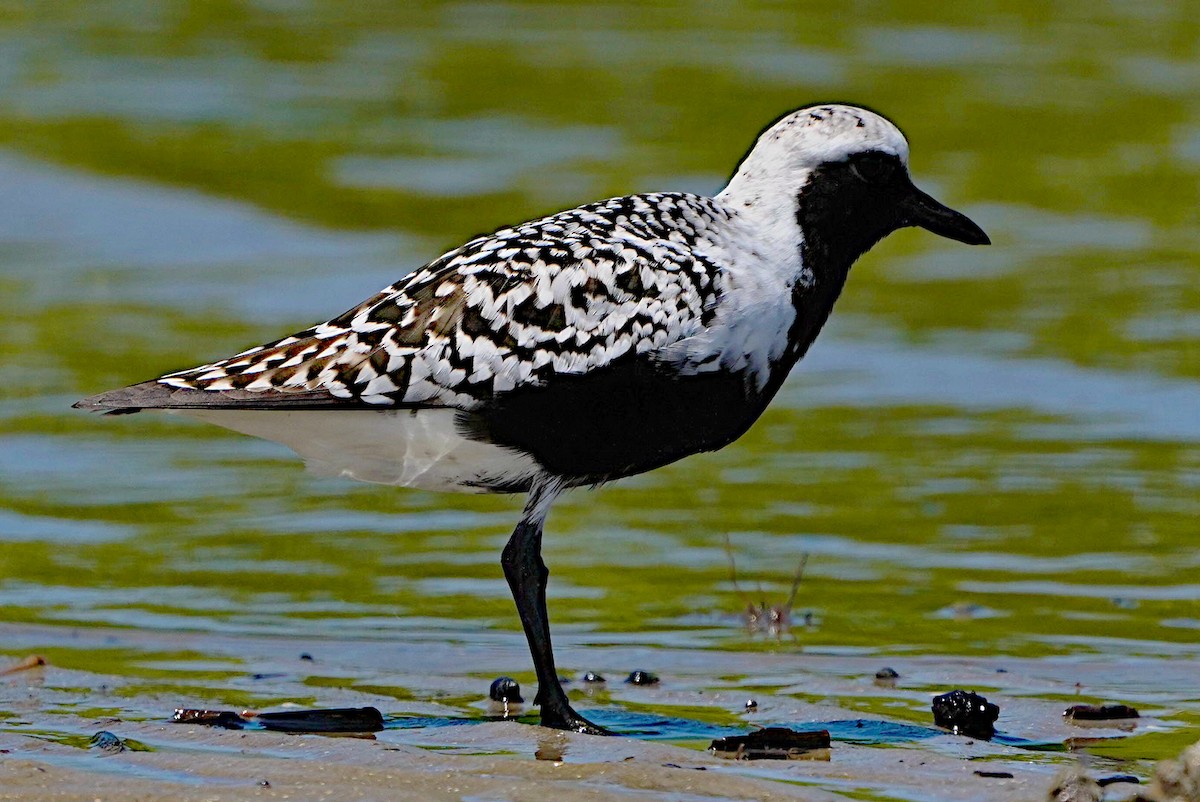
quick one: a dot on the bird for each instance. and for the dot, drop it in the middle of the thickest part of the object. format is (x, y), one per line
(580, 348)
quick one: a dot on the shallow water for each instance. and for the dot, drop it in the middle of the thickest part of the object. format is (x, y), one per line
(991, 455)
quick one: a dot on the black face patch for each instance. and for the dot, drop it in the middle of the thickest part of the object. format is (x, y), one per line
(846, 207)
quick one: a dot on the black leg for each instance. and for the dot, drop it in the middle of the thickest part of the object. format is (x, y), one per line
(526, 574)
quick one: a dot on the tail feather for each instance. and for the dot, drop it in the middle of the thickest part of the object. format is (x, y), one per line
(155, 395)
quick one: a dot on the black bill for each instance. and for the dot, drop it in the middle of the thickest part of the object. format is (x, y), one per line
(919, 209)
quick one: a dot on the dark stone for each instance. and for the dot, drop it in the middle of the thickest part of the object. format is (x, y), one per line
(505, 689)
(105, 741)
(751, 704)
(1099, 712)
(306, 656)
(966, 713)
(640, 677)
(771, 743)
(887, 672)
(996, 775)
(592, 676)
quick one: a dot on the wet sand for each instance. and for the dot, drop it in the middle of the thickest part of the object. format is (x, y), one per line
(433, 749)
(205, 764)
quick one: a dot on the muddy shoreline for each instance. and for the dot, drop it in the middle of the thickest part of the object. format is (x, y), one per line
(436, 743)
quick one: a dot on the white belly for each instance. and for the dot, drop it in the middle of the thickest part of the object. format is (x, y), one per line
(419, 448)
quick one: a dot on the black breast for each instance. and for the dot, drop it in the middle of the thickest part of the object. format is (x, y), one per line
(620, 420)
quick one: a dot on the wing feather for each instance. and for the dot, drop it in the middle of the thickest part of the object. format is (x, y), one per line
(562, 295)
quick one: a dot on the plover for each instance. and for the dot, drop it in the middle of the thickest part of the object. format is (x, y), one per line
(579, 348)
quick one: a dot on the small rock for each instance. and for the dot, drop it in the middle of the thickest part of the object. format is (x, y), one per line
(105, 741)
(306, 656)
(752, 704)
(640, 677)
(505, 689)
(887, 675)
(996, 775)
(592, 676)
(264, 783)
(965, 713)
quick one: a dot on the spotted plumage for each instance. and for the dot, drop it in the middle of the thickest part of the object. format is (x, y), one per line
(582, 347)
(565, 294)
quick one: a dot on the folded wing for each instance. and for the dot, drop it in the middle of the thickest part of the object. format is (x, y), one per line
(563, 295)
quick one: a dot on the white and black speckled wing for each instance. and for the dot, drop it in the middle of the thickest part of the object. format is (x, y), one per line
(565, 294)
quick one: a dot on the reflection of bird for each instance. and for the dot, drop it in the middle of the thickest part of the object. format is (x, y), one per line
(586, 346)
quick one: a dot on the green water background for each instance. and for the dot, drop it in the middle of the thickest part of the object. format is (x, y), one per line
(988, 452)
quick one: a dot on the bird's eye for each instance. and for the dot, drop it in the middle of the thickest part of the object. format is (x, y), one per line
(874, 168)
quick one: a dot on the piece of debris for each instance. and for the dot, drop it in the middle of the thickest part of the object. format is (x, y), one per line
(506, 690)
(773, 619)
(338, 719)
(640, 677)
(995, 775)
(105, 741)
(771, 743)
(1117, 778)
(966, 713)
(30, 662)
(592, 676)
(1099, 712)
(211, 718)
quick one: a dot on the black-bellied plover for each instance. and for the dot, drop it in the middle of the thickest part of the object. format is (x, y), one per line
(589, 345)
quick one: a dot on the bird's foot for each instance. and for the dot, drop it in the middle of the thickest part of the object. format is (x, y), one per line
(570, 720)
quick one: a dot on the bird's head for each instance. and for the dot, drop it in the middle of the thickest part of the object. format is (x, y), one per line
(841, 173)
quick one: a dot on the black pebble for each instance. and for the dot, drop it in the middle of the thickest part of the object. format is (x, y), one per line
(887, 672)
(306, 656)
(592, 676)
(997, 775)
(505, 689)
(640, 677)
(966, 713)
